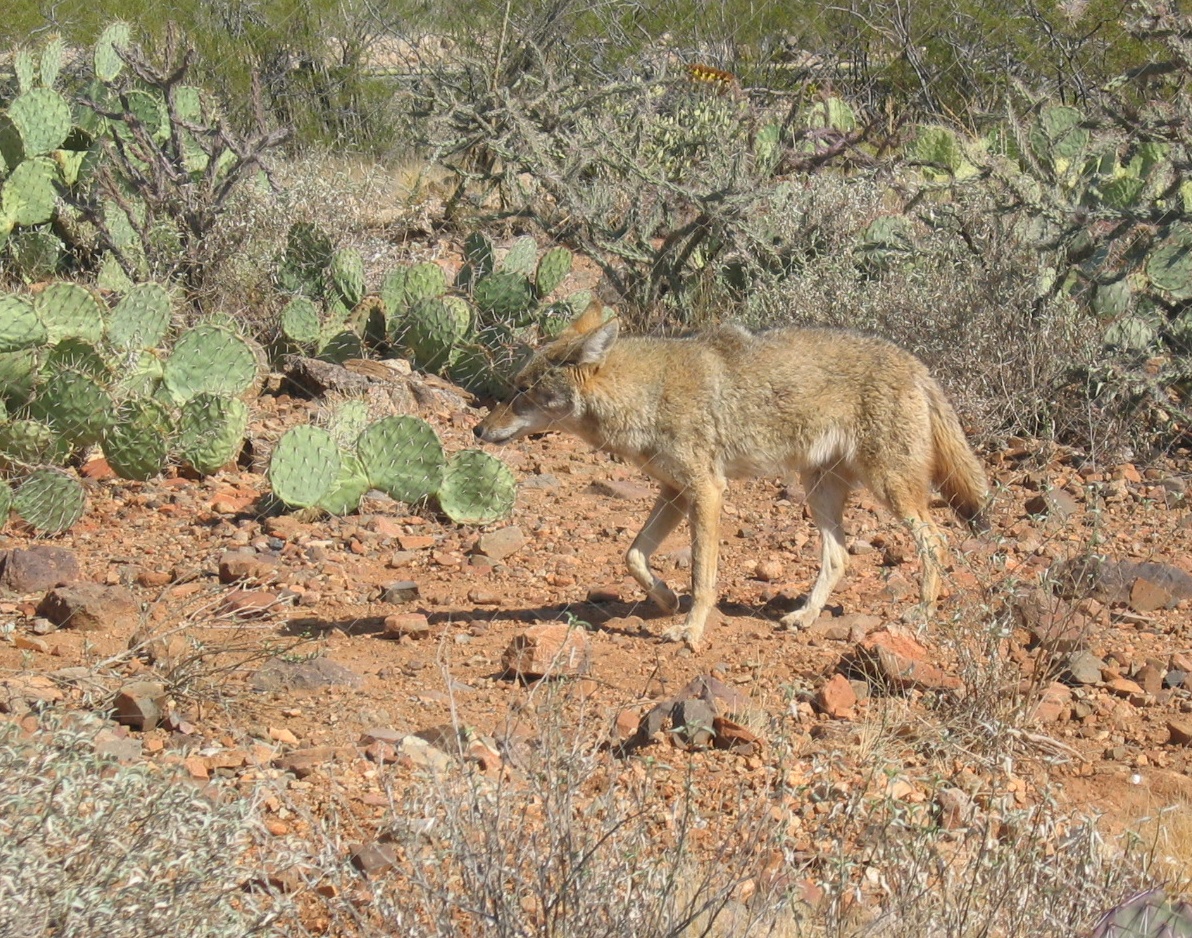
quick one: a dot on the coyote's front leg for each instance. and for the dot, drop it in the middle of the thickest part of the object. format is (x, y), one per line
(666, 514)
(704, 514)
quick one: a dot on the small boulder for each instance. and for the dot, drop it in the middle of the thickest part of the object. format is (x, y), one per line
(553, 649)
(91, 607)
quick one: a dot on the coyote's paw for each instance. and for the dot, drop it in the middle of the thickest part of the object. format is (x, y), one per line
(799, 619)
(690, 635)
(665, 598)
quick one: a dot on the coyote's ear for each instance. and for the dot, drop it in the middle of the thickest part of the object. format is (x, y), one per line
(593, 347)
(589, 320)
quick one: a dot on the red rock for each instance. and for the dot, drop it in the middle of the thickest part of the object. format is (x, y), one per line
(1055, 704)
(1180, 732)
(898, 660)
(416, 541)
(412, 624)
(836, 698)
(552, 649)
(734, 737)
(90, 607)
(500, 544)
(249, 604)
(1148, 596)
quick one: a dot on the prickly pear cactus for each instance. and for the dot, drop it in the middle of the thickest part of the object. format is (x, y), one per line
(305, 466)
(308, 254)
(480, 255)
(477, 488)
(300, 321)
(50, 500)
(347, 273)
(26, 443)
(504, 295)
(1170, 264)
(42, 118)
(137, 443)
(74, 405)
(20, 326)
(402, 457)
(436, 325)
(142, 317)
(211, 431)
(346, 421)
(209, 358)
(393, 292)
(5, 502)
(28, 195)
(423, 281)
(340, 345)
(111, 42)
(521, 257)
(18, 372)
(348, 488)
(70, 311)
(138, 373)
(1148, 914)
(553, 269)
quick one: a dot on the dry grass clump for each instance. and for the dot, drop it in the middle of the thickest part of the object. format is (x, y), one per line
(91, 847)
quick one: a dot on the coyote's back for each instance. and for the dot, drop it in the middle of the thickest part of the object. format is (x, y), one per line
(834, 408)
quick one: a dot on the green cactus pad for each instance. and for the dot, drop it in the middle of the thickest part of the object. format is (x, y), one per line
(479, 253)
(477, 488)
(75, 354)
(142, 318)
(300, 321)
(138, 373)
(211, 431)
(347, 273)
(36, 253)
(423, 281)
(1057, 136)
(50, 500)
(341, 346)
(552, 270)
(209, 358)
(304, 265)
(305, 466)
(30, 443)
(368, 320)
(393, 292)
(111, 42)
(70, 311)
(474, 370)
(1170, 264)
(347, 421)
(5, 502)
(137, 443)
(149, 110)
(505, 295)
(20, 326)
(521, 258)
(42, 117)
(348, 489)
(1112, 300)
(28, 195)
(436, 325)
(1149, 914)
(18, 371)
(75, 405)
(402, 456)
(52, 56)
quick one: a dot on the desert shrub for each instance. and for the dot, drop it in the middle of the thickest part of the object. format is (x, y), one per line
(91, 847)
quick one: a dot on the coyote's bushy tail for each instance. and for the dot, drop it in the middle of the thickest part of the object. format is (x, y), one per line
(955, 470)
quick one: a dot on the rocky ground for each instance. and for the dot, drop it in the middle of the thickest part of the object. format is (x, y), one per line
(335, 659)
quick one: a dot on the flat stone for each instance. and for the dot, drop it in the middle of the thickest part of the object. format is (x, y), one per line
(895, 659)
(304, 762)
(1054, 705)
(1180, 732)
(236, 566)
(502, 543)
(1083, 667)
(723, 697)
(34, 569)
(373, 859)
(552, 648)
(734, 737)
(18, 694)
(90, 607)
(1149, 596)
(304, 675)
(400, 591)
(407, 624)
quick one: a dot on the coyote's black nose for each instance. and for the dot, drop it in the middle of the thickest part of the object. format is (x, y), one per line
(477, 431)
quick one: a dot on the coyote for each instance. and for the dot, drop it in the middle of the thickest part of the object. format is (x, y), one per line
(834, 407)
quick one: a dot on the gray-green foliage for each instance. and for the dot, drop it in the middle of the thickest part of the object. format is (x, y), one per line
(50, 500)
(209, 358)
(477, 488)
(92, 847)
(305, 466)
(402, 457)
(332, 469)
(211, 430)
(137, 443)
(1149, 914)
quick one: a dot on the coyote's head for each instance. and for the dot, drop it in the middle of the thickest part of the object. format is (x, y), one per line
(548, 390)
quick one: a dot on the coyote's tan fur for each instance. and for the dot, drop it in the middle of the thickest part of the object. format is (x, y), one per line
(833, 407)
